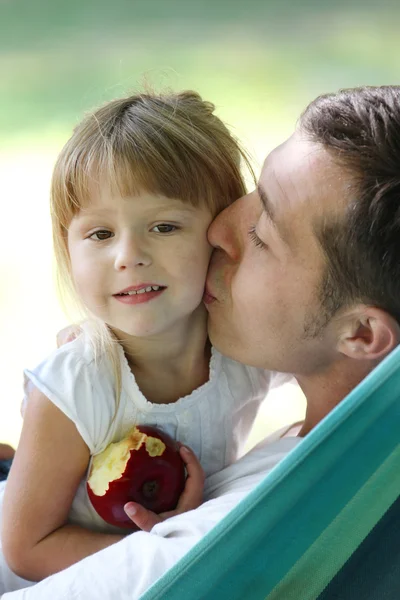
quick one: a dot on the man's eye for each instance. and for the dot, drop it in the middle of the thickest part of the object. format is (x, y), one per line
(255, 239)
(164, 228)
(101, 235)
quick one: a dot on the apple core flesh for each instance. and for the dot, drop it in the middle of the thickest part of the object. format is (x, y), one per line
(144, 467)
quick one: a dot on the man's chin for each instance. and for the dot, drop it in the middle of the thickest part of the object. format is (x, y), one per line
(214, 334)
(235, 349)
(221, 342)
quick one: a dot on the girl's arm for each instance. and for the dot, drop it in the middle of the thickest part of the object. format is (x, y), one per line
(49, 464)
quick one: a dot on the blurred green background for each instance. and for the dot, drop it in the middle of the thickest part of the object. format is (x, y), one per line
(260, 62)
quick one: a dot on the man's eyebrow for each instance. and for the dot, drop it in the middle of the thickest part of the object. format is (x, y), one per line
(266, 204)
(270, 213)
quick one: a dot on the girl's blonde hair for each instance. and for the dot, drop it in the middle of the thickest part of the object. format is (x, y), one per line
(164, 144)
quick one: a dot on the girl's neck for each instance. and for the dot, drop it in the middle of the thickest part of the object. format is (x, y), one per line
(172, 364)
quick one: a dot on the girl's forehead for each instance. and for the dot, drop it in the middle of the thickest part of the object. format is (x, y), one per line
(101, 192)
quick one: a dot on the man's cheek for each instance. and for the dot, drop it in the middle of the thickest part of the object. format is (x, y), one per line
(248, 297)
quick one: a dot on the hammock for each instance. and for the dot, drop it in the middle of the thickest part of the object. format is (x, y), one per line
(323, 525)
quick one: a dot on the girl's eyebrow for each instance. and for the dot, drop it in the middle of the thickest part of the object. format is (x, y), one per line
(90, 211)
(101, 212)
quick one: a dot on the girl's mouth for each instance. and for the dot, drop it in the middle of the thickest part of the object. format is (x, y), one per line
(143, 290)
(140, 295)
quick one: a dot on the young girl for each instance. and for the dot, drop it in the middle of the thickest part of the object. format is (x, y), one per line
(133, 193)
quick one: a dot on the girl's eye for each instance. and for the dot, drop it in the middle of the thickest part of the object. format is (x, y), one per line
(101, 235)
(164, 228)
(255, 239)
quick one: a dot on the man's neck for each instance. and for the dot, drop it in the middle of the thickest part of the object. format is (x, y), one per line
(326, 390)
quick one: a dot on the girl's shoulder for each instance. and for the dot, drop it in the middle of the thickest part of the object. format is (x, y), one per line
(82, 386)
(76, 356)
(71, 371)
(78, 351)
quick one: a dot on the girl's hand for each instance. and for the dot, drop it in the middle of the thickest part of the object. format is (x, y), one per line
(192, 495)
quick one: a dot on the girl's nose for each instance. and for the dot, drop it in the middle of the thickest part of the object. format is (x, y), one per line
(131, 253)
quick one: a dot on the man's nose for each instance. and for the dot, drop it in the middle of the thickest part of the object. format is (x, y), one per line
(229, 229)
(131, 251)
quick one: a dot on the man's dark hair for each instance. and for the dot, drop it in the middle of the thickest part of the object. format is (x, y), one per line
(360, 128)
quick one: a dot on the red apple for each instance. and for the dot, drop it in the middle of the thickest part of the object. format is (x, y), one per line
(144, 467)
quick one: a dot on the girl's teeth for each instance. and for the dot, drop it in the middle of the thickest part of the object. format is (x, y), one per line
(149, 288)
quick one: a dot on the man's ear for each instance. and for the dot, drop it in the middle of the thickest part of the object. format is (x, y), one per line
(368, 333)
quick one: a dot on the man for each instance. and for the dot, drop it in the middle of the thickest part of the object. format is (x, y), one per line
(305, 279)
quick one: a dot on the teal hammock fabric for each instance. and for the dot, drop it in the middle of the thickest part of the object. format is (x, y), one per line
(323, 525)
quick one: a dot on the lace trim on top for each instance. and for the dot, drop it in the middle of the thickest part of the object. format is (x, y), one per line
(131, 388)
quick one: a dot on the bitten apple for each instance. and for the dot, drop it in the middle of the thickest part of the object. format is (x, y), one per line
(144, 467)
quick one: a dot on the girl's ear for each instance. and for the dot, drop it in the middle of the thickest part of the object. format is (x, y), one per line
(368, 333)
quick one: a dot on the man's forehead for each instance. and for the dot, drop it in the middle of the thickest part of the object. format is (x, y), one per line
(295, 155)
(302, 171)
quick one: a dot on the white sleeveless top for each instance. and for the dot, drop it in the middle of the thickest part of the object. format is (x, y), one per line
(214, 420)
